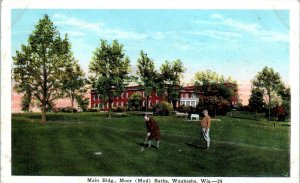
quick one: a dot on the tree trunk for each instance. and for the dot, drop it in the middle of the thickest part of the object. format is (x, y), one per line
(269, 106)
(72, 103)
(147, 101)
(109, 108)
(44, 89)
(43, 122)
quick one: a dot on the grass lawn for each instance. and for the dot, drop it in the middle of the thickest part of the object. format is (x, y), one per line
(242, 145)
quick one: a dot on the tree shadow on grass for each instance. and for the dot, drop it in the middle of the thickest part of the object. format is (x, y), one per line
(146, 146)
(49, 117)
(194, 146)
(261, 124)
(248, 118)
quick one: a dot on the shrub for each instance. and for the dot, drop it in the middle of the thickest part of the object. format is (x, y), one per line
(119, 109)
(214, 105)
(92, 110)
(279, 112)
(162, 109)
(67, 109)
(148, 109)
(55, 109)
(184, 109)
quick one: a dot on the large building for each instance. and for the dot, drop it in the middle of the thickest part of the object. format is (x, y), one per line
(187, 98)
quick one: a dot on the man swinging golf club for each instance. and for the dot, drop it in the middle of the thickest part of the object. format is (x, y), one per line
(152, 131)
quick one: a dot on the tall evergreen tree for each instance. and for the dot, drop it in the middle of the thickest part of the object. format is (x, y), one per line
(256, 100)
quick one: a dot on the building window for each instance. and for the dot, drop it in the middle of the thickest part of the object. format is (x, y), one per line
(149, 103)
(144, 103)
(186, 95)
(126, 95)
(107, 105)
(99, 105)
(94, 97)
(188, 103)
(193, 103)
(122, 104)
(156, 101)
(122, 95)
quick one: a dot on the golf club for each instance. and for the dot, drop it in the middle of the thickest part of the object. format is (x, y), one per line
(146, 140)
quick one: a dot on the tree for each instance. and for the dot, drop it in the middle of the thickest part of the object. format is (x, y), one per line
(74, 82)
(171, 72)
(27, 99)
(214, 91)
(146, 71)
(39, 65)
(135, 100)
(256, 100)
(269, 81)
(208, 76)
(285, 94)
(82, 101)
(110, 69)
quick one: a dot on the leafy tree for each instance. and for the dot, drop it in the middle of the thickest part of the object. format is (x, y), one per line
(39, 65)
(285, 94)
(27, 99)
(146, 71)
(214, 91)
(268, 81)
(82, 102)
(208, 76)
(75, 81)
(110, 69)
(171, 72)
(135, 100)
(256, 100)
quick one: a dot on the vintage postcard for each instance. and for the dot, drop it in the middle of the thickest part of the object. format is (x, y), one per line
(150, 91)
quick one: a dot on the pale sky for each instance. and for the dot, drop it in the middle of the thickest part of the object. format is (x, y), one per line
(236, 43)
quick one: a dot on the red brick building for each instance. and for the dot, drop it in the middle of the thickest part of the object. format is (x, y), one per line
(122, 100)
(187, 97)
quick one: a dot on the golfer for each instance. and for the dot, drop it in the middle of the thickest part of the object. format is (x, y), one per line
(205, 125)
(152, 131)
